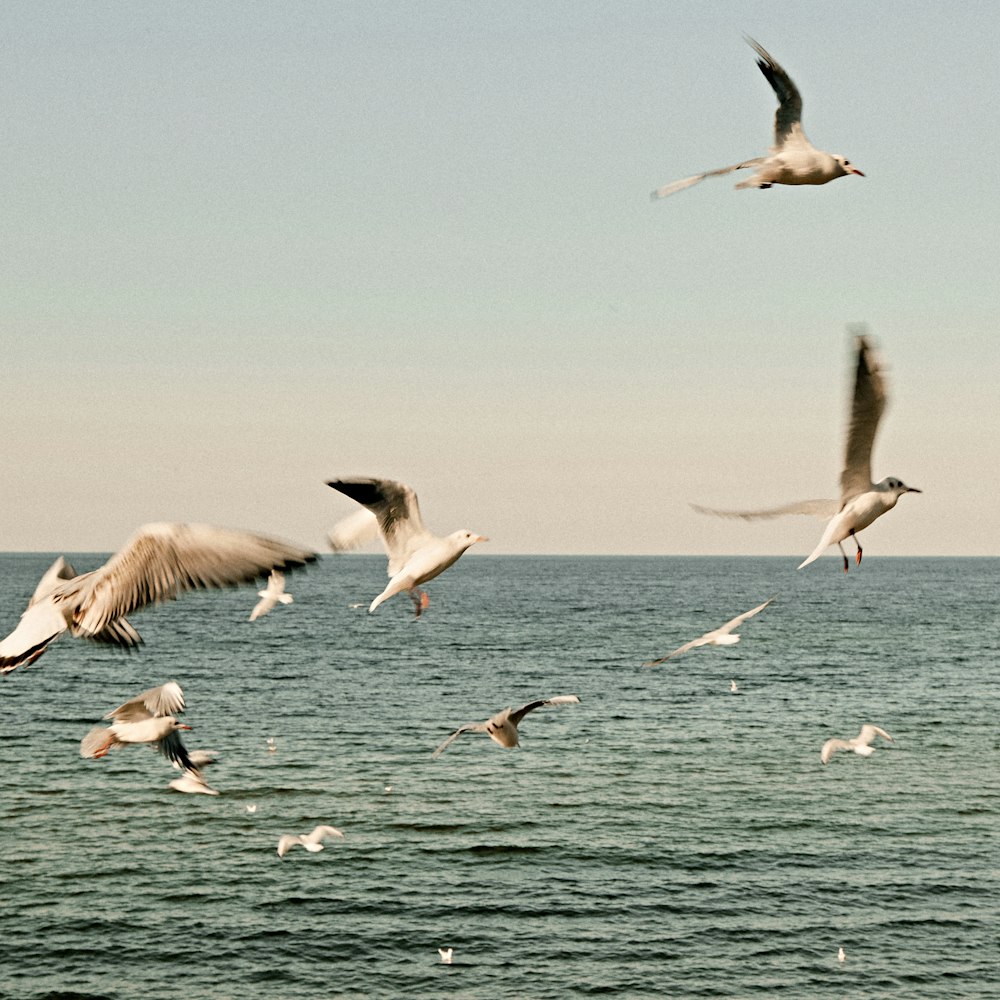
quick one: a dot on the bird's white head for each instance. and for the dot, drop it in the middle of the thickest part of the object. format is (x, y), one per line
(892, 485)
(464, 539)
(846, 165)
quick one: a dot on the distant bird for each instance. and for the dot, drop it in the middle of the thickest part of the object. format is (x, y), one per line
(388, 789)
(502, 727)
(860, 744)
(251, 808)
(273, 594)
(415, 555)
(721, 636)
(446, 955)
(150, 717)
(158, 563)
(193, 782)
(733, 688)
(840, 955)
(272, 746)
(861, 500)
(792, 159)
(312, 842)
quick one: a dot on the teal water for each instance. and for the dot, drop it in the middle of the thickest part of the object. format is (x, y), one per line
(664, 838)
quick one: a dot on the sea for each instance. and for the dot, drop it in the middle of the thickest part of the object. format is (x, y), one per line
(663, 838)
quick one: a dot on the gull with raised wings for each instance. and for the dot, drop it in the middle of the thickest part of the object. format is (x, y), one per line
(272, 594)
(312, 842)
(861, 501)
(792, 159)
(158, 563)
(150, 717)
(724, 635)
(502, 727)
(415, 555)
(861, 744)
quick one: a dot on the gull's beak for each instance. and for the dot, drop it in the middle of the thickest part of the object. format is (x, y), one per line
(184, 727)
(481, 538)
(913, 489)
(854, 170)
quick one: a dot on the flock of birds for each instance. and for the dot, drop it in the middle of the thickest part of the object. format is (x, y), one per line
(162, 561)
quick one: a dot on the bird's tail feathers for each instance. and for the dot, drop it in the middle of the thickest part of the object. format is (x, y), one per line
(95, 741)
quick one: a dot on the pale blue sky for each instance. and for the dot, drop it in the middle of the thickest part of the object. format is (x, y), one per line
(249, 247)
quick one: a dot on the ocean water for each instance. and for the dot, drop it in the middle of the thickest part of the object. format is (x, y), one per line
(664, 838)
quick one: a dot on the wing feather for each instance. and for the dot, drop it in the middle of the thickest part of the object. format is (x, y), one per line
(788, 117)
(868, 402)
(814, 508)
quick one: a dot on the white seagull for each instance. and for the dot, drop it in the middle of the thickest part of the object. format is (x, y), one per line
(861, 744)
(272, 594)
(792, 159)
(312, 842)
(733, 688)
(840, 954)
(502, 727)
(446, 955)
(722, 636)
(150, 717)
(272, 745)
(193, 782)
(861, 501)
(415, 555)
(158, 563)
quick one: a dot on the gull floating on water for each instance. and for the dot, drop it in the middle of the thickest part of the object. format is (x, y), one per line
(446, 955)
(415, 555)
(792, 159)
(861, 501)
(721, 636)
(502, 727)
(158, 563)
(272, 746)
(193, 782)
(271, 595)
(860, 744)
(733, 688)
(251, 808)
(150, 717)
(312, 842)
(840, 955)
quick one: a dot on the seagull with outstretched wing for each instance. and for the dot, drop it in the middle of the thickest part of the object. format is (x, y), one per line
(502, 727)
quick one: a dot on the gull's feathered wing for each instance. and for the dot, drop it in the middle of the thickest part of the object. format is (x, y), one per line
(160, 562)
(868, 402)
(312, 842)
(167, 699)
(469, 727)
(713, 637)
(507, 719)
(860, 744)
(788, 117)
(272, 594)
(353, 531)
(563, 699)
(397, 512)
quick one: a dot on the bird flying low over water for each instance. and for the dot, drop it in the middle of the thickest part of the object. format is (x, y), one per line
(792, 159)
(193, 782)
(415, 555)
(272, 594)
(721, 636)
(150, 717)
(158, 563)
(861, 744)
(312, 842)
(861, 501)
(502, 727)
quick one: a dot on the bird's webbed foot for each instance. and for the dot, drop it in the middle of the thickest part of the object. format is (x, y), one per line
(420, 601)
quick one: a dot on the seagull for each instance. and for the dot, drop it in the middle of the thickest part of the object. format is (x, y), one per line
(312, 842)
(733, 688)
(502, 727)
(446, 955)
(415, 555)
(158, 563)
(721, 636)
(192, 781)
(271, 745)
(251, 808)
(273, 594)
(840, 954)
(860, 744)
(150, 717)
(792, 159)
(861, 501)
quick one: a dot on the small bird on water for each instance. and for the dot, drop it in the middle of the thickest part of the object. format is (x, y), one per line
(446, 955)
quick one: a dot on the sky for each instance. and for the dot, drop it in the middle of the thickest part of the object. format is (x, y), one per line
(250, 247)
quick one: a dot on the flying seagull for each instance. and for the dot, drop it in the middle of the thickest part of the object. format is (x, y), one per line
(447, 955)
(272, 594)
(502, 727)
(861, 501)
(150, 717)
(721, 636)
(193, 782)
(861, 744)
(158, 563)
(792, 159)
(312, 842)
(415, 555)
